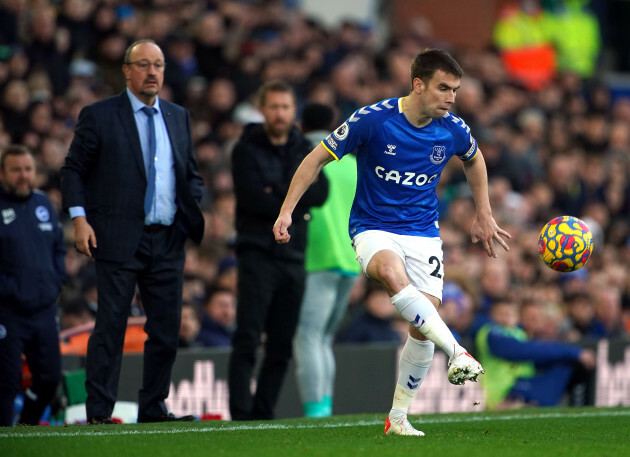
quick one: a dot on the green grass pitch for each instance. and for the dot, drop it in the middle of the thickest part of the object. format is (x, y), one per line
(583, 432)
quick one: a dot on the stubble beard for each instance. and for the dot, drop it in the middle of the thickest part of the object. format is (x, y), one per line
(20, 190)
(280, 127)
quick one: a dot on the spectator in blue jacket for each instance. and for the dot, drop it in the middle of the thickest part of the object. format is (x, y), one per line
(32, 270)
(581, 323)
(219, 318)
(520, 371)
(374, 323)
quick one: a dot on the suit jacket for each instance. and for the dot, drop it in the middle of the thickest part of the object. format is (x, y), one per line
(104, 172)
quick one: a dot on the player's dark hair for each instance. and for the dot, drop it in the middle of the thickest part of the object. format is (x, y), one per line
(275, 85)
(427, 62)
(13, 150)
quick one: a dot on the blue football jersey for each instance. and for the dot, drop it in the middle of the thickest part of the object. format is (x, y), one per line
(398, 166)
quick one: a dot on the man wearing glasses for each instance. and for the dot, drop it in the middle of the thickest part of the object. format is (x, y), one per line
(131, 185)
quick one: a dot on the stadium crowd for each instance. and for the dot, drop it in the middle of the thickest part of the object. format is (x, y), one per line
(561, 149)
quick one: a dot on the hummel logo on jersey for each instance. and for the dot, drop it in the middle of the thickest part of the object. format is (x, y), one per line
(8, 216)
(390, 149)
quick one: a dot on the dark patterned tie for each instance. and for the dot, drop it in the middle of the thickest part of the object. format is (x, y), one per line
(150, 193)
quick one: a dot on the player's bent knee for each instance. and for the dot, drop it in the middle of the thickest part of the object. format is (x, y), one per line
(389, 275)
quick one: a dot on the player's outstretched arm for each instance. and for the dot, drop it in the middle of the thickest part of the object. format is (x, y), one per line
(304, 176)
(485, 228)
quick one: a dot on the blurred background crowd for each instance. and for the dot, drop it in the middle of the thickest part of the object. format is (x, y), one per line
(545, 98)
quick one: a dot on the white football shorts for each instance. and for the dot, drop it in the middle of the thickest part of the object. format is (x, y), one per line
(422, 256)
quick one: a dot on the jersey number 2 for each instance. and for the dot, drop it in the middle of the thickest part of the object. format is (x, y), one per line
(433, 259)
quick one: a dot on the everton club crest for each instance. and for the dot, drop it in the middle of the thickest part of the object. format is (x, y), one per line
(438, 155)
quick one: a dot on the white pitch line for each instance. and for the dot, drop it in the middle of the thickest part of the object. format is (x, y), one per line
(120, 431)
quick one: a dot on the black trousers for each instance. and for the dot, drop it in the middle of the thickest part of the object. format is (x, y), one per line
(157, 270)
(269, 299)
(36, 336)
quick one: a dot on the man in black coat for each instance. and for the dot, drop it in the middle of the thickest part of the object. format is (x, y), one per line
(131, 185)
(270, 276)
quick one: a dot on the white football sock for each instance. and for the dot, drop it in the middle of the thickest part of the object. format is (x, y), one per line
(420, 312)
(415, 360)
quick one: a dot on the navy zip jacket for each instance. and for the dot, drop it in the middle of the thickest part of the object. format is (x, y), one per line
(32, 252)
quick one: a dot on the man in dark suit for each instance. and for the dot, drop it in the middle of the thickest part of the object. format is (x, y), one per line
(131, 185)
